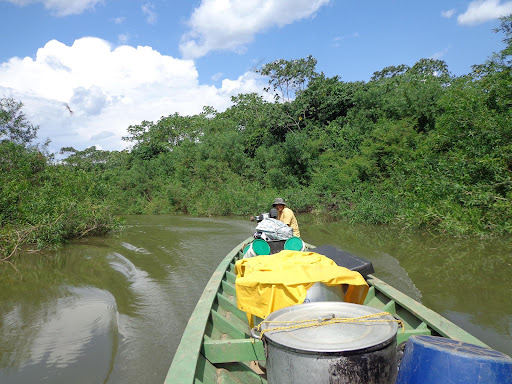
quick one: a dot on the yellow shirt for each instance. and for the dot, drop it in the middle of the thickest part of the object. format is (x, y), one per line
(287, 217)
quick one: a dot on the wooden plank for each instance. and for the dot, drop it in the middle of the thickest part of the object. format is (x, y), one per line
(401, 337)
(228, 327)
(423, 325)
(225, 298)
(228, 288)
(240, 323)
(238, 373)
(228, 305)
(231, 277)
(435, 321)
(231, 267)
(205, 372)
(370, 295)
(226, 351)
(390, 307)
(183, 367)
(409, 319)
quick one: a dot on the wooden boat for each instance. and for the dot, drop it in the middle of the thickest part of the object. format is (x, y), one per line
(216, 346)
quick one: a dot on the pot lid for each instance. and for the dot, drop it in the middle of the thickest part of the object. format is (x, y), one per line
(332, 337)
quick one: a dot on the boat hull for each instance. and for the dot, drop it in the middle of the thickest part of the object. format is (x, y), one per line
(217, 347)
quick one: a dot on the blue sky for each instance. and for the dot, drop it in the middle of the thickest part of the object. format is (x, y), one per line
(118, 62)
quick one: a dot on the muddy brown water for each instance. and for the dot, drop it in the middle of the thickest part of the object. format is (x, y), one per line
(112, 309)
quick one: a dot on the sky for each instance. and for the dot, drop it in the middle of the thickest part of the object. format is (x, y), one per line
(86, 70)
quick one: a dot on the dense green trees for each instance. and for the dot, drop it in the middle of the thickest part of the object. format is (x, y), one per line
(414, 145)
(42, 202)
(14, 125)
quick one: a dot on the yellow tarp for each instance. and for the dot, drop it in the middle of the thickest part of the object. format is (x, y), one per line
(265, 284)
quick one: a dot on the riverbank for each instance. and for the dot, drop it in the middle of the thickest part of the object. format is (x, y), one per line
(414, 147)
(43, 204)
(14, 240)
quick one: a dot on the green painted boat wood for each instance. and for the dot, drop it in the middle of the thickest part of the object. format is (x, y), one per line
(226, 326)
(222, 351)
(231, 277)
(441, 325)
(231, 307)
(216, 346)
(186, 358)
(228, 288)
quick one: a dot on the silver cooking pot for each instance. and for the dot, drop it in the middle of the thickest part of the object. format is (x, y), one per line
(339, 353)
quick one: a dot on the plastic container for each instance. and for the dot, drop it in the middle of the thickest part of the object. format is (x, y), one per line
(257, 248)
(294, 243)
(433, 360)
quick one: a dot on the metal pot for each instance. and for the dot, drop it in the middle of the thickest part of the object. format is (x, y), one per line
(322, 292)
(318, 292)
(339, 353)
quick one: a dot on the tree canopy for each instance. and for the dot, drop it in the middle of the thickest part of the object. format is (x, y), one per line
(415, 146)
(14, 124)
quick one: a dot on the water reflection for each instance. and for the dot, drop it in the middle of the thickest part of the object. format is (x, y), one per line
(72, 334)
(123, 265)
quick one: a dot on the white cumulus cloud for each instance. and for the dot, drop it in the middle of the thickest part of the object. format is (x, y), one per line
(61, 7)
(232, 24)
(481, 11)
(90, 92)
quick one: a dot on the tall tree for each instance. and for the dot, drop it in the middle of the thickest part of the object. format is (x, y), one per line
(506, 28)
(14, 125)
(288, 76)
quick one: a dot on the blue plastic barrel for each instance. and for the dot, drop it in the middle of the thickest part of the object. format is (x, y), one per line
(435, 360)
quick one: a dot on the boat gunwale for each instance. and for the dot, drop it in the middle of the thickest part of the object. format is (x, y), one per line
(184, 363)
(433, 320)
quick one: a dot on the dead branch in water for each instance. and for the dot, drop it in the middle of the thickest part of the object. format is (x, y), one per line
(22, 235)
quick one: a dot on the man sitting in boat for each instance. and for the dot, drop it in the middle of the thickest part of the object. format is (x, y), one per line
(286, 215)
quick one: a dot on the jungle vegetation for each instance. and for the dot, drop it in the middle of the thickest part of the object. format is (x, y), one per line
(414, 146)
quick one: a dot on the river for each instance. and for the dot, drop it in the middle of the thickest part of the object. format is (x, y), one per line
(112, 309)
